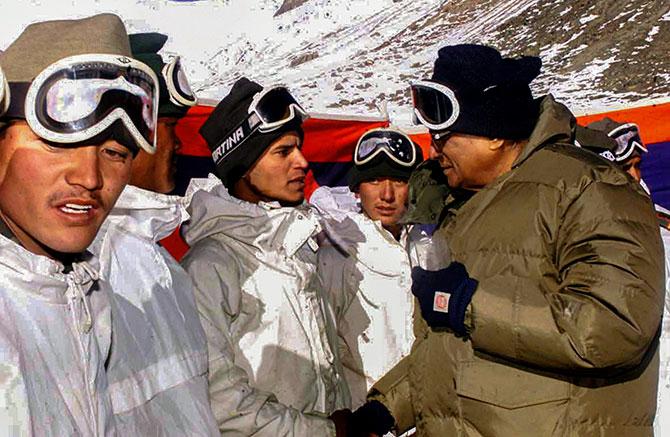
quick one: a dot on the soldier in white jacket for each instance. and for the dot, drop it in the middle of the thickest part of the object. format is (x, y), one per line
(273, 366)
(90, 344)
(369, 283)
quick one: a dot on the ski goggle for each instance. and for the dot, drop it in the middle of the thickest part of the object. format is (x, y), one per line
(628, 140)
(4, 93)
(395, 144)
(435, 105)
(274, 107)
(269, 110)
(179, 90)
(79, 97)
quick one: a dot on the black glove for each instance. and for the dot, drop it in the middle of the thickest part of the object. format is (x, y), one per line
(444, 295)
(371, 418)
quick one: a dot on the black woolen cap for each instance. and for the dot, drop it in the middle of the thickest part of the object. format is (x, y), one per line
(223, 121)
(493, 92)
(145, 47)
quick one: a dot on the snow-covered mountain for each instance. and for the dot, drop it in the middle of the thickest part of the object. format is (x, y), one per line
(353, 56)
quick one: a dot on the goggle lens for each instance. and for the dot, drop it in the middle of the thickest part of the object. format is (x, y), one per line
(275, 106)
(4, 93)
(395, 144)
(435, 107)
(627, 137)
(69, 100)
(184, 86)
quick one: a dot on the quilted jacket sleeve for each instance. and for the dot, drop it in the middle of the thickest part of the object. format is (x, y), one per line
(601, 306)
(393, 390)
(239, 409)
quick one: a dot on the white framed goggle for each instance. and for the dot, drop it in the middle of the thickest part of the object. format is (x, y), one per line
(434, 105)
(179, 90)
(4, 93)
(628, 140)
(79, 97)
(395, 144)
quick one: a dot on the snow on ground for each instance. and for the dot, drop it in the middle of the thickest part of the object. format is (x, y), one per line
(355, 56)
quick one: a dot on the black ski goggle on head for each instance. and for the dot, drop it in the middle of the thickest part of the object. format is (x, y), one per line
(628, 141)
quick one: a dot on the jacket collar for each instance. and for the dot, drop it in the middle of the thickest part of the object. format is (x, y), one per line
(267, 226)
(428, 192)
(44, 276)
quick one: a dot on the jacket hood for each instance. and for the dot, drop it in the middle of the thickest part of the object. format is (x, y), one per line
(336, 202)
(213, 211)
(146, 213)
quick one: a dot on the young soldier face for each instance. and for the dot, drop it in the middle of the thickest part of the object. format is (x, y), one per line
(384, 199)
(279, 174)
(54, 199)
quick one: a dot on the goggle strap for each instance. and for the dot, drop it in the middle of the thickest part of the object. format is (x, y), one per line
(17, 104)
(236, 137)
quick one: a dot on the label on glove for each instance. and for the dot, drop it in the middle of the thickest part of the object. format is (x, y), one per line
(441, 302)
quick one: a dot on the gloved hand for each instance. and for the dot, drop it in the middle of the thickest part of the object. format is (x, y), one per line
(371, 419)
(444, 295)
(341, 418)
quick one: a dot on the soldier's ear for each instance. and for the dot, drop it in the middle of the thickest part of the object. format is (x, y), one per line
(496, 144)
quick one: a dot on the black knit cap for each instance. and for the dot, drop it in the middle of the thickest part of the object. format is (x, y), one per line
(226, 118)
(145, 47)
(493, 92)
(382, 166)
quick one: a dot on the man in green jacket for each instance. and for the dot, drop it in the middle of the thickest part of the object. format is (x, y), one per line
(543, 318)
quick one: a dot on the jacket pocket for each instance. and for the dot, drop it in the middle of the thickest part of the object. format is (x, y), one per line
(506, 386)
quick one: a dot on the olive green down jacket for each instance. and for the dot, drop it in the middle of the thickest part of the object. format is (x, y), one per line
(565, 317)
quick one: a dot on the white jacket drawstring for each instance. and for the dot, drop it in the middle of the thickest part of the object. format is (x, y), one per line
(77, 296)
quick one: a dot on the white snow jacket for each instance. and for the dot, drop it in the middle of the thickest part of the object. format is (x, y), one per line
(369, 284)
(119, 355)
(254, 268)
